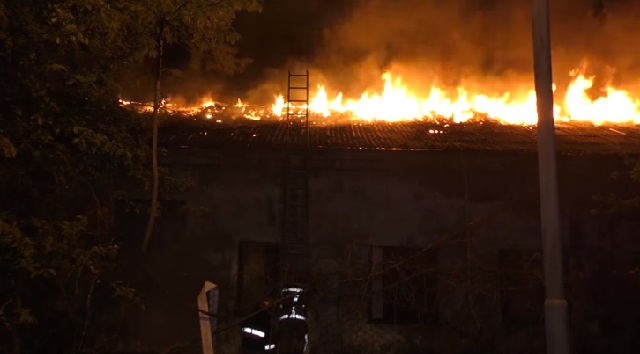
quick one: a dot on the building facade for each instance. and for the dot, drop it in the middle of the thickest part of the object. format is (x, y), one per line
(430, 248)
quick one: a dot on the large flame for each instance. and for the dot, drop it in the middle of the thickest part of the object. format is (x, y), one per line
(397, 103)
(394, 101)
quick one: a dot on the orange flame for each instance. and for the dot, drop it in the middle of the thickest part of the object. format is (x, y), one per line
(397, 103)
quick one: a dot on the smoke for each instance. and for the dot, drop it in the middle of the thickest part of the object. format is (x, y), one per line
(475, 42)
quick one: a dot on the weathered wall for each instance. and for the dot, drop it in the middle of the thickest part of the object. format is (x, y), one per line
(455, 201)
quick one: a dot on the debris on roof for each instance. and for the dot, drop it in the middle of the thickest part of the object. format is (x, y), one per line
(413, 135)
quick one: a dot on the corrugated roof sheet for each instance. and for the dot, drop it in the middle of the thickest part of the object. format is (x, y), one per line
(396, 135)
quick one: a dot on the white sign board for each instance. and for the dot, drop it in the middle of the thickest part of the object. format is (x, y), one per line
(205, 310)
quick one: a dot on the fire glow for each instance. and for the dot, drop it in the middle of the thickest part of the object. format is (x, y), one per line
(394, 101)
(397, 103)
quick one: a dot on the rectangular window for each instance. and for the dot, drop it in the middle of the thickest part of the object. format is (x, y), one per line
(522, 287)
(635, 263)
(258, 270)
(402, 285)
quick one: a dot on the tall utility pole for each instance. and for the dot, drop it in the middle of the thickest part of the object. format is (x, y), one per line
(555, 304)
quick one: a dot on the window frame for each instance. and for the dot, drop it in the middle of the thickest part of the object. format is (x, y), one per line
(381, 287)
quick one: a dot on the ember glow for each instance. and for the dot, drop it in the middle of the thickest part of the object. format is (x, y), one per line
(394, 101)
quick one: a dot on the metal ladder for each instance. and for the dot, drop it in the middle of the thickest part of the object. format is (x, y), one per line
(295, 231)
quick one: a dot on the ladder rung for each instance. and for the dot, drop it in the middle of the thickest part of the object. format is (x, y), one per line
(288, 246)
(293, 204)
(298, 87)
(296, 214)
(297, 191)
(295, 252)
(300, 184)
(297, 101)
(295, 201)
(290, 196)
(295, 234)
(296, 230)
(298, 75)
(293, 241)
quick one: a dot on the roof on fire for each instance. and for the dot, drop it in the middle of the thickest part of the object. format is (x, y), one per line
(414, 135)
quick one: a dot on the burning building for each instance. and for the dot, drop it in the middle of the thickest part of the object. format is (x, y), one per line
(422, 217)
(393, 100)
(422, 235)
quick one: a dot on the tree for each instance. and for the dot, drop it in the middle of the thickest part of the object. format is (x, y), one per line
(65, 148)
(68, 152)
(203, 26)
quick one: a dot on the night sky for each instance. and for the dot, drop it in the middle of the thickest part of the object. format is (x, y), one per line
(288, 28)
(285, 30)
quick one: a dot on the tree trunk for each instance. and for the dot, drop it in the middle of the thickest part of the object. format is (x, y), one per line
(16, 339)
(154, 145)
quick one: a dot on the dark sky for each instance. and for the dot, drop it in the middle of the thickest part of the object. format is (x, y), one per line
(288, 28)
(285, 30)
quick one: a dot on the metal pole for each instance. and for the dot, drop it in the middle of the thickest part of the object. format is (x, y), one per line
(307, 86)
(288, 143)
(555, 305)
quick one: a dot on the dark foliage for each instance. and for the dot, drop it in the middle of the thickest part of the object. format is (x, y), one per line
(68, 152)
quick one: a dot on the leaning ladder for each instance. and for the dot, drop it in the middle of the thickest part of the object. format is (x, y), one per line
(295, 231)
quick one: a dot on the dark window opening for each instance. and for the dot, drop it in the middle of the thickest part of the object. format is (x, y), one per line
(634, 268)
(258, 271)
(403, 285)
(522, 287)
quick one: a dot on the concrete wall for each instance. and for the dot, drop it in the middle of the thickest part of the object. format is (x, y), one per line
(469, 205)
